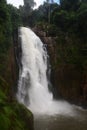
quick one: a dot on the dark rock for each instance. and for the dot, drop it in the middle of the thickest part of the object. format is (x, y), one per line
(68, 79)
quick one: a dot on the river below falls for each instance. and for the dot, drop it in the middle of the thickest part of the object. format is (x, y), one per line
(76, 121)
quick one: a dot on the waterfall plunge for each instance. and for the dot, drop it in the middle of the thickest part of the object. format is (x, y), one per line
(33, 85)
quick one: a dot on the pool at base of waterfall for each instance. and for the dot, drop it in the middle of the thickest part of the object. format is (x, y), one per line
(59, 122)
(62, 122)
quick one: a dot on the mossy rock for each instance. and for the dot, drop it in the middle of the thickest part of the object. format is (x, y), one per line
(13, 116)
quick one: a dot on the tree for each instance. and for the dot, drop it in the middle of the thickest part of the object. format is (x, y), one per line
(49, 2)
(60, 19)
(69, 5)
(3, 11)
(15, 17)
(4, 19)
(26, 10)
(29, 4)
(5, 35)
(82, 20)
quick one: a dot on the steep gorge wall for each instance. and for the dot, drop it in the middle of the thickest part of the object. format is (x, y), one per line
(69, 79)
(12, 114)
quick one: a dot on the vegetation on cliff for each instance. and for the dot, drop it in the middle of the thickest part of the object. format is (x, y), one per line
(13, 116)
(67, 23)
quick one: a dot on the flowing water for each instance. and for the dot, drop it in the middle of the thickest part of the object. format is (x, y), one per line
(33, 89)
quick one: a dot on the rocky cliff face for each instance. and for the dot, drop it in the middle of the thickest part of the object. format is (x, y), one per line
(69, 79)
(12, 114)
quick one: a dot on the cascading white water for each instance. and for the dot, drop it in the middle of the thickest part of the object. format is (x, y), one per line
(33, 85)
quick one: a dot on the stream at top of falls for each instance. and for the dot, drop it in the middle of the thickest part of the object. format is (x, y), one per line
(33, 89)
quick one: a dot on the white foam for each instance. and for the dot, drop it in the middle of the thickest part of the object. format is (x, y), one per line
(33, 84)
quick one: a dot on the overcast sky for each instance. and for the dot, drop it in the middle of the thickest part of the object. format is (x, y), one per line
(20, 2)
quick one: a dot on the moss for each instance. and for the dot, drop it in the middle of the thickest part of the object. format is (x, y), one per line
(13, 116)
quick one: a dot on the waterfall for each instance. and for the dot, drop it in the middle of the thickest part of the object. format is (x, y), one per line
(33, 89)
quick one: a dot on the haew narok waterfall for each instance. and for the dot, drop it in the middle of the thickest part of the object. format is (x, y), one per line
(33, 89)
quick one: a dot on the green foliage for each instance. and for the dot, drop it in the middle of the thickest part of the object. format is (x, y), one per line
(69, 5)
(10, 20)
(69, 54)
(26, 12)
(52, 30)
(68, 23)
(5, 32)
(82, 20)
(69, 16)
(15, 17)
(4, 122)
(32, 17)
(60, 19)
(2, 96)
(29, 3)
(13, 116)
